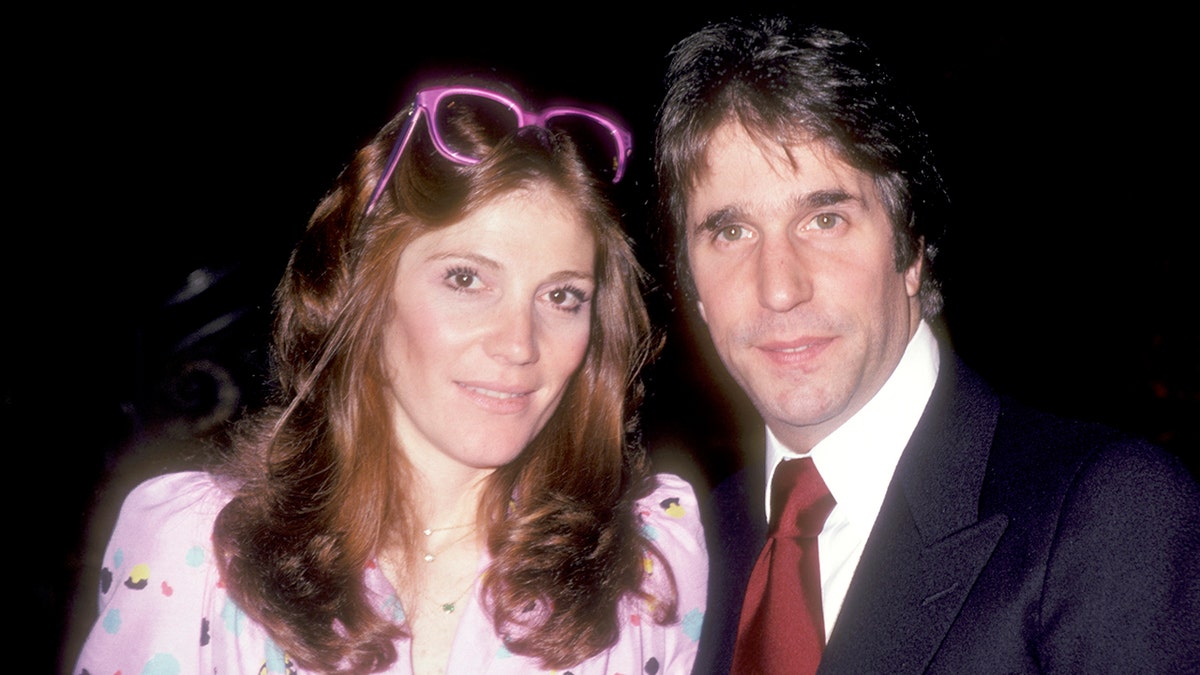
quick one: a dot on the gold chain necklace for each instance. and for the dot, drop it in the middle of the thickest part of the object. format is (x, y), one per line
(430, 556)
(449, 607)
(430, 530)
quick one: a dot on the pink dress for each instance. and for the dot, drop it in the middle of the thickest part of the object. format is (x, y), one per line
(163, 609)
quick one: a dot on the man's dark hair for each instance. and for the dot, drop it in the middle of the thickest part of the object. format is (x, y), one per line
(786, 86)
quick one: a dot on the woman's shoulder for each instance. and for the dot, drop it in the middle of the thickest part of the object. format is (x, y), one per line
(164, 522)
(173, 504)
(677, 567)
(670, 519)
(671, 508)
(176, 492)
(159, 589)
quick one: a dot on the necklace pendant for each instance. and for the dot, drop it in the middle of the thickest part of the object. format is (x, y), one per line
(429, 557)
(427, 531)
(448, 607)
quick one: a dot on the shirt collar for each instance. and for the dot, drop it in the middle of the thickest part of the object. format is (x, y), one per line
(857, 459)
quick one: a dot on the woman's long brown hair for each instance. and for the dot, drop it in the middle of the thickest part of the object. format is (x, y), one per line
(323, 480)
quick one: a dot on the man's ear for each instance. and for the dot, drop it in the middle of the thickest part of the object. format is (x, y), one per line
(912, 275)
(700, 307)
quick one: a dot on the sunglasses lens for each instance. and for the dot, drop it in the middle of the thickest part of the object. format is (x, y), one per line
(595, 142)
(468, 123)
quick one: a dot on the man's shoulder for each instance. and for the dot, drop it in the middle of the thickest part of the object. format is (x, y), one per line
(1040, 456)
(1025, 433)
(1025, 450)
(1038, 440)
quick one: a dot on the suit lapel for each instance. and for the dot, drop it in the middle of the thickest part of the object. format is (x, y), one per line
(927, 546)
(735, 529)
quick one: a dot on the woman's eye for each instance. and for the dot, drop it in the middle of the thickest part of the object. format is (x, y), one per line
(462, 279)
(567, 299)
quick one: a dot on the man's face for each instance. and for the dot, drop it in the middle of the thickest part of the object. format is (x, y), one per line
(794, 264)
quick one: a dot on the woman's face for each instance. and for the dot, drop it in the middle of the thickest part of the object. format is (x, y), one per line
(490, 317)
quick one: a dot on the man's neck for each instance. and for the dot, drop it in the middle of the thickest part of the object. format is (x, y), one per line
(880, 429)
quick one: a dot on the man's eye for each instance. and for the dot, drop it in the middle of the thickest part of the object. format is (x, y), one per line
(826, 221)
(731, 232)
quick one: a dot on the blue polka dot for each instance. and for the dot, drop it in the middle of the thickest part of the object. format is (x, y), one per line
(503, 653)
(195, 556)
(118, 557)
(112, 622)
(275, 660)
(161, 664)
(233, 617)
(392, 605)
(692, 624)
(650, 532)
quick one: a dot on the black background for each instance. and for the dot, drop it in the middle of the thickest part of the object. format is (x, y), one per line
(149, 147)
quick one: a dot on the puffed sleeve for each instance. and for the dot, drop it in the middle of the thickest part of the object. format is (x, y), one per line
(158, 581)
(671, 521)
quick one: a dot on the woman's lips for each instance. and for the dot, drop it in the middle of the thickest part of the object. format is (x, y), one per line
(497, 398)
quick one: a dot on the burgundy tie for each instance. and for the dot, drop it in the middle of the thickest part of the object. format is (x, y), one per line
(782, 629)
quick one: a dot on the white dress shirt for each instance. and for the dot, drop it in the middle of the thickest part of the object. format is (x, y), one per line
(857, 461)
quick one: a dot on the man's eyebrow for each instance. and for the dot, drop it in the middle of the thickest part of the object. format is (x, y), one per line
(822, 198)
(816, 199)
(720, 218)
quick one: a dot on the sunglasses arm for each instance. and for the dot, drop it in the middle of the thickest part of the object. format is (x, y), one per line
(394, 158)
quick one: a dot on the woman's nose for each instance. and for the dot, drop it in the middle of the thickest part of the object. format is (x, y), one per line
(513, 339)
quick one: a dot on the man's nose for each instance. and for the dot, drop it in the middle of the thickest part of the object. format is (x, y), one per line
(783, 275)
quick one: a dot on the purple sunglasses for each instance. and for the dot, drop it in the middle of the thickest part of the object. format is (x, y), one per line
(435, 103)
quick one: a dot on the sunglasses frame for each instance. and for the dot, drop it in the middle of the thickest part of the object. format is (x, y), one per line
(426, 103)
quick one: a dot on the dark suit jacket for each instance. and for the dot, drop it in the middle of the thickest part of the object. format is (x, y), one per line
(1009, 541)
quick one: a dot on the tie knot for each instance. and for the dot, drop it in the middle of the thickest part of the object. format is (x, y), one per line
(800, 501)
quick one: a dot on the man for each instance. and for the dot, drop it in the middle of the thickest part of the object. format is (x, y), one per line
(966, 533)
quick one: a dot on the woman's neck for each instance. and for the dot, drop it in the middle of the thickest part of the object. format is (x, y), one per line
(435, 569)
(447, 501)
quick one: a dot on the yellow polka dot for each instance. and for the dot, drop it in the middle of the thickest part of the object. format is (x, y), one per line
(140, 572)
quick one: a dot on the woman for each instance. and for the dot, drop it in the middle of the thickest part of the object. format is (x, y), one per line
(446, 485)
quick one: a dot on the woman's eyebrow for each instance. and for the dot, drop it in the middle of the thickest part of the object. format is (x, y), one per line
(478, 259)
